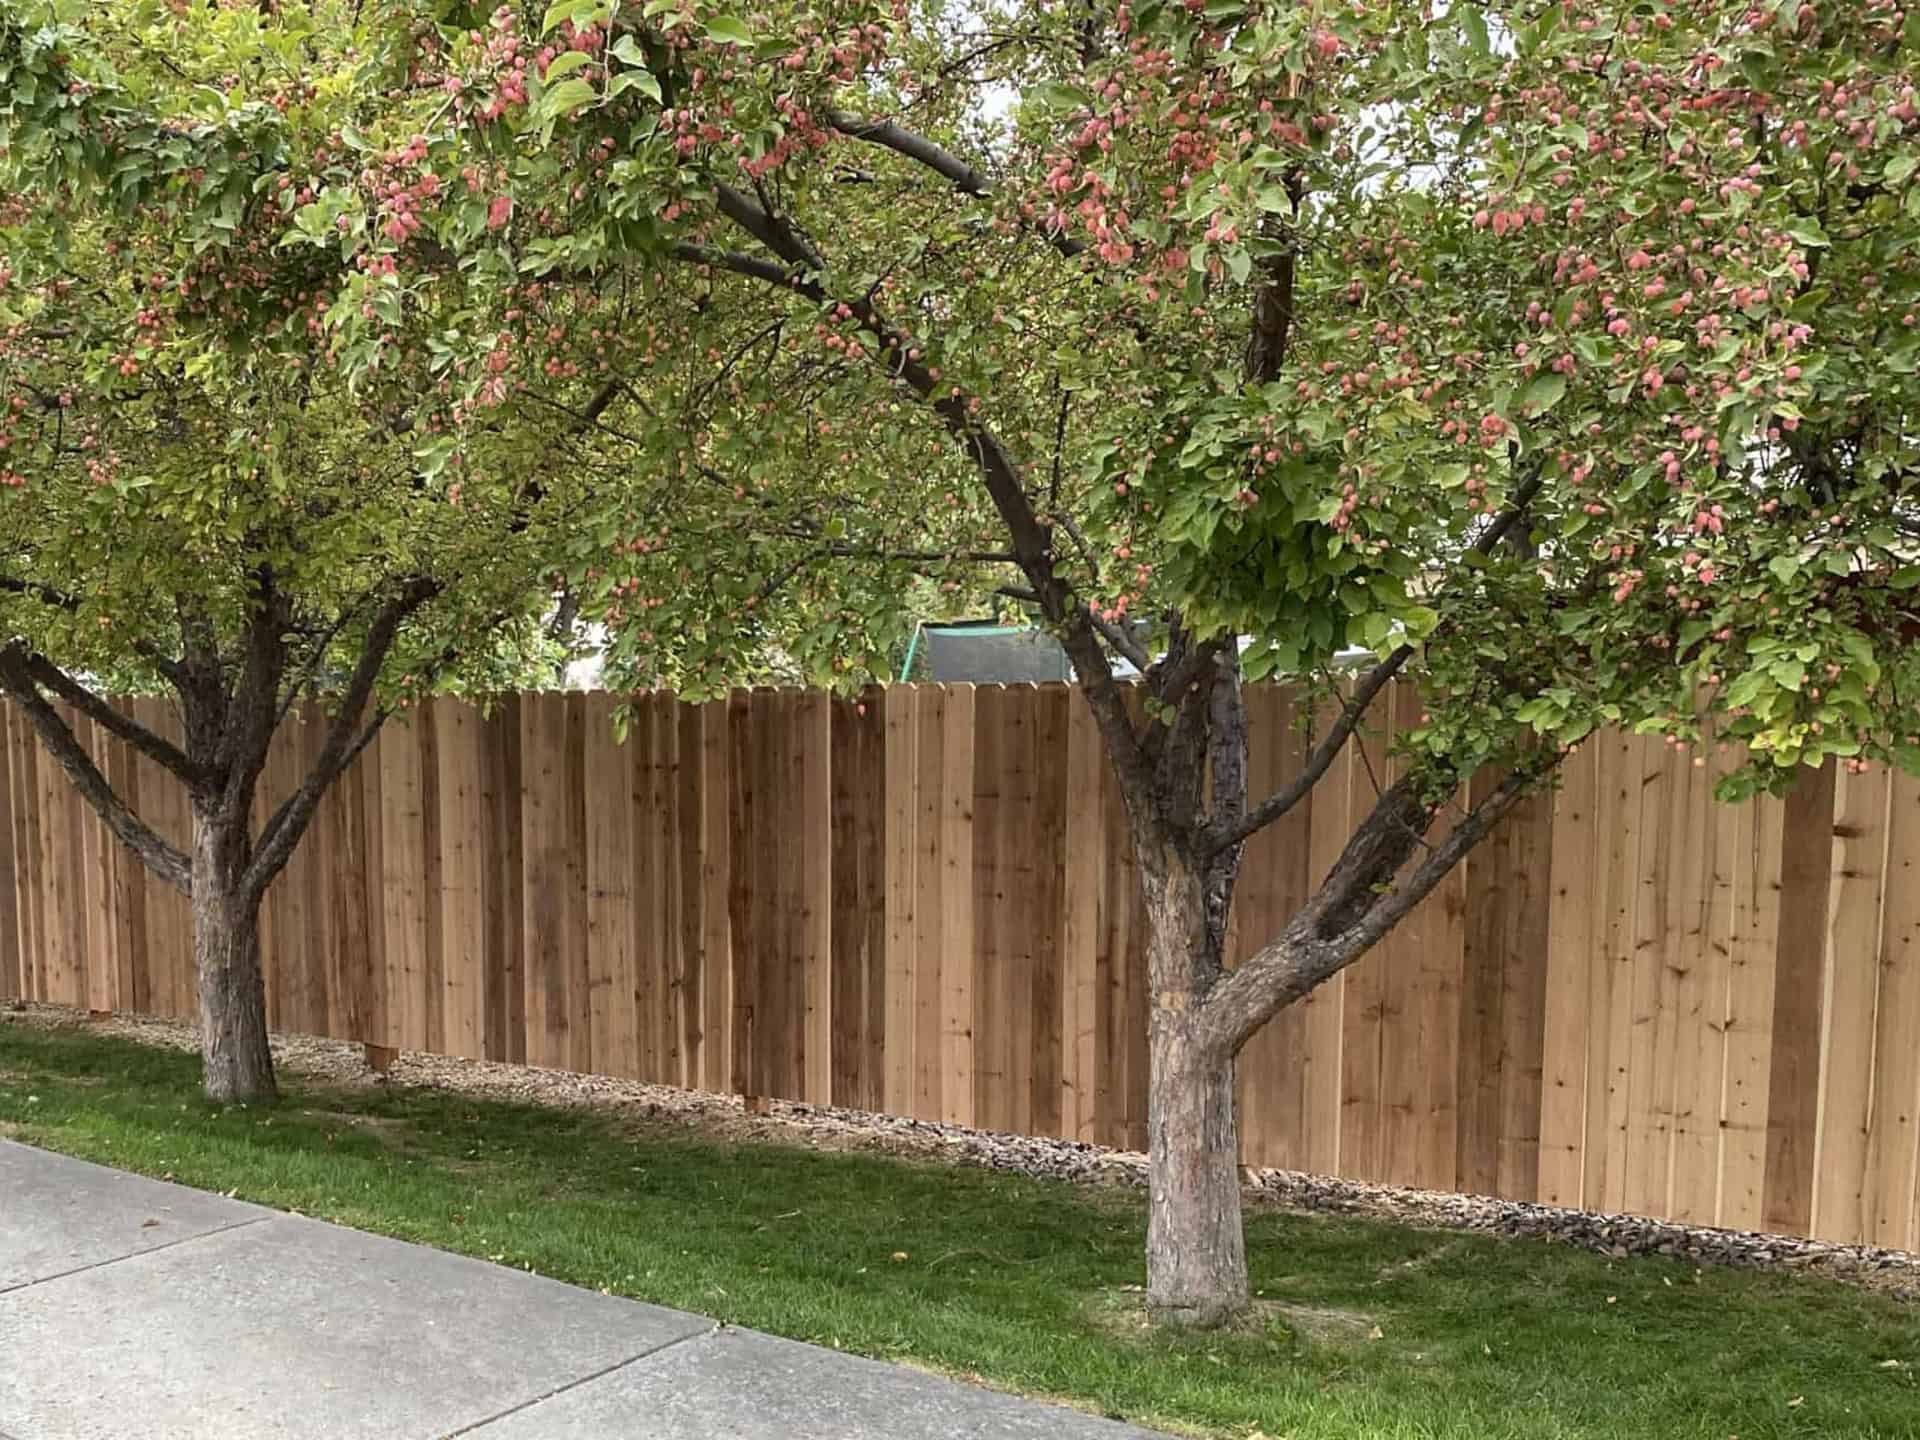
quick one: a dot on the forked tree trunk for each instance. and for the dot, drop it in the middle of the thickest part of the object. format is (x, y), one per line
(237, 1063)
(1196, 1248)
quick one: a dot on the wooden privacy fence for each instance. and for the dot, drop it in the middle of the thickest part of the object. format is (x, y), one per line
(921, 902)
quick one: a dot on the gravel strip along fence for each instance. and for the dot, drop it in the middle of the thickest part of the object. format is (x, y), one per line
(340, 1063)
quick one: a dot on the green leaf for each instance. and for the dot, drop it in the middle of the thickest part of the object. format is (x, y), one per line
(1539, 712)
(580, 12)
(565, 65)
(1900, 169)
(1473, 26)
(1746, 688)
(1808, 232)
(1421, 621)
(729, 30)
(1055, 95)
(1543, 392)
(561, 98)
(641, 80)
(627, 51)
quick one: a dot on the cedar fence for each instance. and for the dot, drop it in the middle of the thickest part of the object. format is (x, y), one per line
(1628, 999)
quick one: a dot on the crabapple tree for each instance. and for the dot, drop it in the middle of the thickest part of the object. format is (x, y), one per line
(1560, 357)
(194, 495)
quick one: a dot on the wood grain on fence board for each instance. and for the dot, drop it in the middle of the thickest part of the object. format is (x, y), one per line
(1892, 1183)
(13, 945)
(1799, 1005)
(1083, 844)
(923, 900)
(1571, 945)
(1850, 975)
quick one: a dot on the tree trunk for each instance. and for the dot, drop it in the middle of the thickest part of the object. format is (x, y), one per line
(1196, 1249)
(237, 1064)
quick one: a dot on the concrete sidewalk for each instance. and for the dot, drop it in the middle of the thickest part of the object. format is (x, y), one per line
(133, 1308)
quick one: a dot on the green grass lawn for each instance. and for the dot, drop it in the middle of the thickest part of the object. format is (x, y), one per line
(1371, 1330)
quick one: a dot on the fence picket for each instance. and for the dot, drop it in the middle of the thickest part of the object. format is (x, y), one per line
(923, 900)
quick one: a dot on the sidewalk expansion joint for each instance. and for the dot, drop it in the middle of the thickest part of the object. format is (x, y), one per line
(600, 1374)
(136, 1255)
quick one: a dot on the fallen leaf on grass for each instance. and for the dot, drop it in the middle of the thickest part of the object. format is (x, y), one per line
(1376, 1333)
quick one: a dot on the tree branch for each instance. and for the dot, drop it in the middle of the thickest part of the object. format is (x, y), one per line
(1354, 710)
(48, 676)
(750, 266)
(168, 667)
(966, 179)
(1295, 962)
(254, 705)
(1273, 303)
(1389, 909)
(950, 167)
(1032, 541)
(169, 863)
(284, 828)
(1124, 644)
(34, 590)
(316, 657)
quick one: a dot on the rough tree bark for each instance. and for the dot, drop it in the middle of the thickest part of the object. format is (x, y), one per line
(237, 1066)
(1196, 1253)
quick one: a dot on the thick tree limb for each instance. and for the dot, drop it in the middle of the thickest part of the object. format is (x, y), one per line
(840, 551)
(950, 167)
(253, 707)
(1180, 748)
(1123, 644)
(48, 676)
(1227, 777)
(169, 668)
(1225, 833)
(750, 266)
(316, 657)
(170, 864)
(287, 824)
(1384, 841)
(1273, 304)
(34, 590)
(1391, 908)
(966, 179)
(1296, 961)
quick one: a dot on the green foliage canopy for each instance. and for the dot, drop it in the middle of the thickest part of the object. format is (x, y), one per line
(1640, 274)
